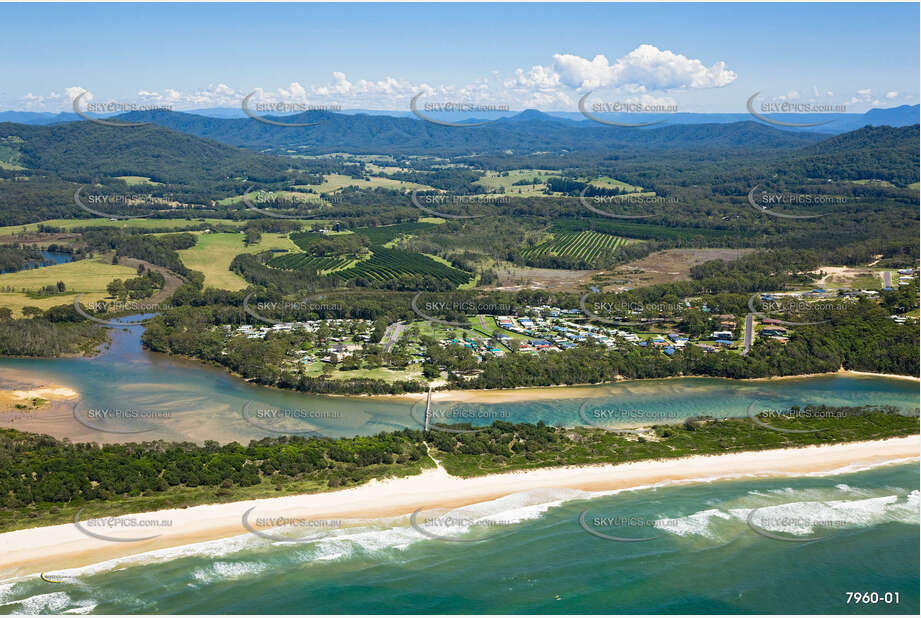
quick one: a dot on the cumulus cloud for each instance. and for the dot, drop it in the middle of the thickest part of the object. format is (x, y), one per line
(645, 68)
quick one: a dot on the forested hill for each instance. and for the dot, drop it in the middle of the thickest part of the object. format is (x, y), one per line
(524, 133)
(81, 151)
(870, 153)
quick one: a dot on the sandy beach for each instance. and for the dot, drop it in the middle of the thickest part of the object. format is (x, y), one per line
(65, 546)
(585, 391)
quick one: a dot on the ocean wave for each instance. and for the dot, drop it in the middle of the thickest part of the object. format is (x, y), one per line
(221, 570)
(396, 533)
(48, 603)
(806, 515)
(696, 524)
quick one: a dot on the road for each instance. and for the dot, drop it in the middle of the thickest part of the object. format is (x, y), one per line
(749, 333)
(171, 281)
(887, 279)
(392, 334)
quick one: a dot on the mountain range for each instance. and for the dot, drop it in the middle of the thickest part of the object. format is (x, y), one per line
(834, 122)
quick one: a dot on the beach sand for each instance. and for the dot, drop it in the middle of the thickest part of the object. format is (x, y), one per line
(587, 391)
(64, 546)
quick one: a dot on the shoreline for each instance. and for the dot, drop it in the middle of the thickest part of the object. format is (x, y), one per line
(572, 391)
(33, 550)
(488, 396)
(515, 394)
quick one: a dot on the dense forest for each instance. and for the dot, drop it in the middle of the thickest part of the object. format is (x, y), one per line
(44, 480)
(55, 332)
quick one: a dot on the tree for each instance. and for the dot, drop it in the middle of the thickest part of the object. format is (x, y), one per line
(116, 288)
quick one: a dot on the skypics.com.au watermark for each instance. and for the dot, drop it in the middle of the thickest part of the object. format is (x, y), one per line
(603, 417)
(114, 107)
(288, 528)
(455, 526)
(308, 304)
(425, 308)
(622, 528)
(627, 313)
(454, 107)
(118, 419)
(624, 107)
(592, 202)
(789, 107)
(440, 417)
(121, 529)
(773, 305)
(437, 203)
(284, 107)
(133, 306)
(265, 203)
(92, 202)
(295, 421)
(765, 202)
(764, 523)
(760, 416)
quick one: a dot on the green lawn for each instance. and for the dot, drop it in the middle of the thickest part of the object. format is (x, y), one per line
(213, 253)
(89, 277)
(138, 180)
(492, 181)
(335, 182)
(144, 224)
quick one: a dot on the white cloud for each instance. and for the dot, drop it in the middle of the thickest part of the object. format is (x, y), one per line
(892, 94)
(645, 68)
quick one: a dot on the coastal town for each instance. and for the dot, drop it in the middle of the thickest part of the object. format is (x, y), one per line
(350, 348)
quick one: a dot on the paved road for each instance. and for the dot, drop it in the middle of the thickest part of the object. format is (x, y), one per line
(749, 333)
(392, 334)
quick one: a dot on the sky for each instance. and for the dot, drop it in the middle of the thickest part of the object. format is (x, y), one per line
(687, 57)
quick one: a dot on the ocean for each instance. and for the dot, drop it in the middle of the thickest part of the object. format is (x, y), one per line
(763, 546)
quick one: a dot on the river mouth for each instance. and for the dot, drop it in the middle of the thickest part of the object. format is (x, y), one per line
(128, 394)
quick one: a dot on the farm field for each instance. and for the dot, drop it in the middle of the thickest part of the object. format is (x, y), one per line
(584, 245)
(335, 182)
(294, 196)
(213, 253)
(606, 182)
(89, 277)
(302, 261)
(387, 264)
(492, 181)
(138, 180)
(388, 233)
(141, 224)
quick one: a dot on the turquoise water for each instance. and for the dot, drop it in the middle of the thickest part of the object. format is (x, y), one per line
(185, 400)
(703, 558)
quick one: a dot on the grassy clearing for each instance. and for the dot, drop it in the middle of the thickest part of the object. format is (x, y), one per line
(138, 180)
(492, 181)
(89, 277)
(606, 182)
(335, 182)
(292, 196)
(213, 253)
(141, 224)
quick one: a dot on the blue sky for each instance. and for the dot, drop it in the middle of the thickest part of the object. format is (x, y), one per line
(697, 57)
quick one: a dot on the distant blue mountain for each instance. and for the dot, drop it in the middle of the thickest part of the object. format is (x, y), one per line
(903, 115)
